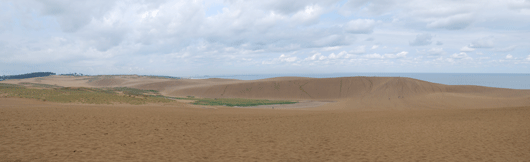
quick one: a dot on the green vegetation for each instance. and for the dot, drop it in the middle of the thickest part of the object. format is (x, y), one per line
(4, 85)
(83, 95)
(125, 95)
(40, 85)
(233, 101)
(134, 91)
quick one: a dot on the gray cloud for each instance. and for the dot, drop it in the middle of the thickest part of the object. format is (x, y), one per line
(486, 42)
(453, 22)
(519, 5)
(73, 15)
(370, 7)
(360, 26)
(421, 40)
(5, 22)
(290, 7)
(467, 49)
(506, 49)
(450, 15)
(433, 52)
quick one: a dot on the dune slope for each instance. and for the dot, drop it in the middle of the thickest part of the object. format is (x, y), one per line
(367, 93)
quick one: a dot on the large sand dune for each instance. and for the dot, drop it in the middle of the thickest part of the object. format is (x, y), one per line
(365, 92)
(362, 93)
(339, 88)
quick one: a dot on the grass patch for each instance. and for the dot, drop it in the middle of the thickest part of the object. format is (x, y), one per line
(134, 91)
(233, 101)
(116, 95)
(83, 95)
(40, 85)
(5, 85)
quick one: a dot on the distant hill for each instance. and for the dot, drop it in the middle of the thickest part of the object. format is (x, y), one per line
(28, 75)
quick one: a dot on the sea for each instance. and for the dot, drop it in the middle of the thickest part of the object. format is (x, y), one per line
(499, 80)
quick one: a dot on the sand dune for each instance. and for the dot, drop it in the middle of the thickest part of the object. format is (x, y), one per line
(370, 119)
(366, 93)
(362, 93)
(339, 88)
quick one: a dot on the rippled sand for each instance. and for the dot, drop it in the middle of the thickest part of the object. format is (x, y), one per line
(40, 131)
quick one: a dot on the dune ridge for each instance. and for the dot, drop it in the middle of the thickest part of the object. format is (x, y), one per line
(337, 88)
(366, 93)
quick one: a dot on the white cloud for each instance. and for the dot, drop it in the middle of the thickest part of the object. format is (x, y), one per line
(528, 58)
(467, 49)
(433, 52)
(360, 26)
(450, 15)
(402, 54)
(313, 57)
(374, 56)
(309, 15)
(340, 55)
(320, 57)
(368, 7)
(358, 50)
(509, 56)
(506, 49)
(331, 48)
(484, 58)
(421, 40)
(461, 55)
(178, 34)
(282, 59)
(436, 51)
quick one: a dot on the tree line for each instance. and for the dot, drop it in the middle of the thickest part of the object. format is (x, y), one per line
(28, 75)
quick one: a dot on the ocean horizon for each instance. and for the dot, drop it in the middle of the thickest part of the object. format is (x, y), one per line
(498, 80)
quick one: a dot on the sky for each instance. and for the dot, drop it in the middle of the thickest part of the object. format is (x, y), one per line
(195, 37)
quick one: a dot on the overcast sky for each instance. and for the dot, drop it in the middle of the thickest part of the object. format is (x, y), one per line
(182, 38)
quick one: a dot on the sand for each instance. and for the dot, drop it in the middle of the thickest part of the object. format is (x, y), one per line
(37, 131)
(391, 119)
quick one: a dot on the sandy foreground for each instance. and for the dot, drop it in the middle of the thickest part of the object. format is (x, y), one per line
(38, 131)
(349, 119)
